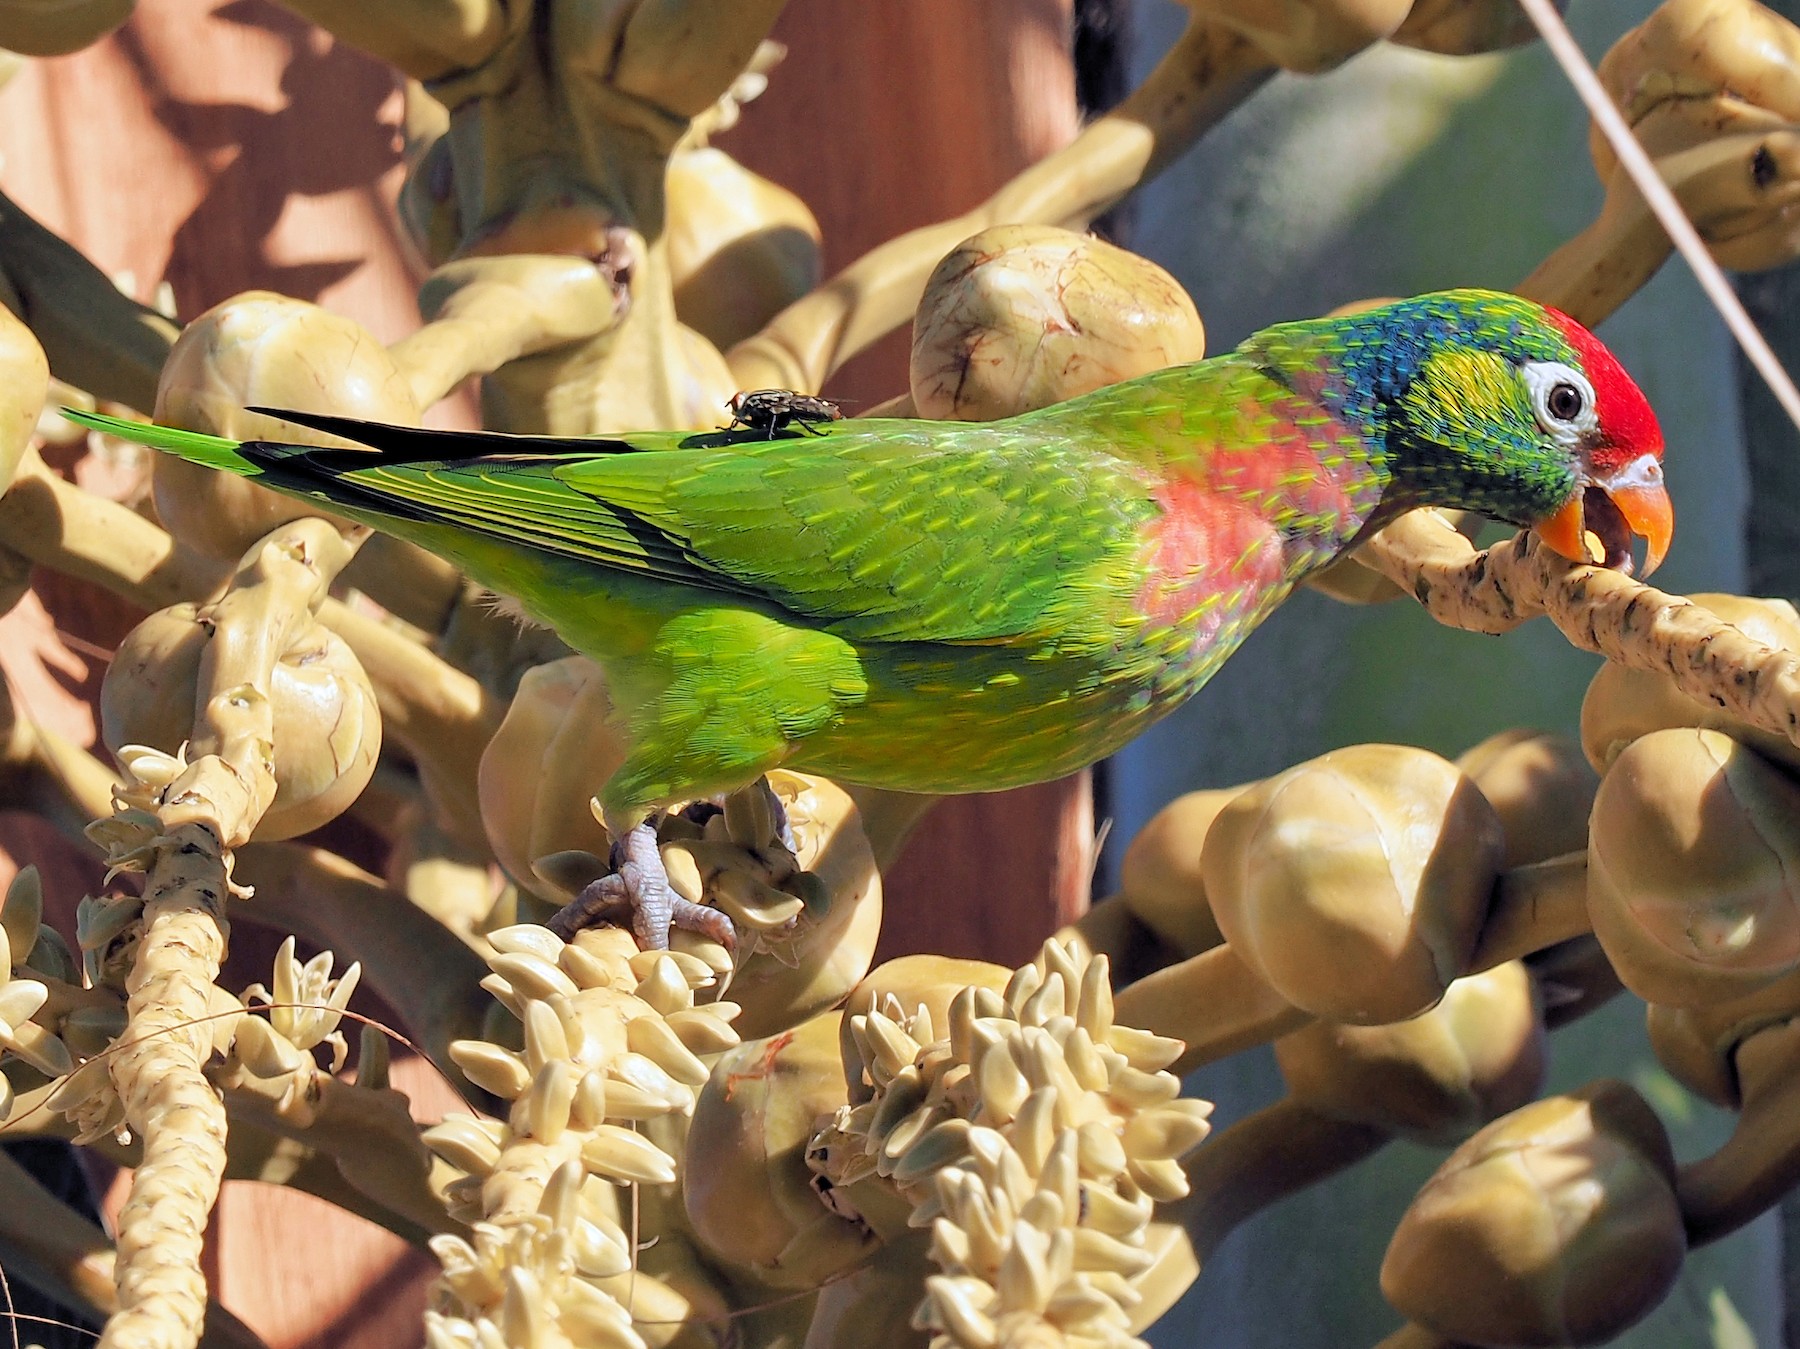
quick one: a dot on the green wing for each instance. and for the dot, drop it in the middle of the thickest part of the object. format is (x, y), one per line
(877, 530)
(921, 532)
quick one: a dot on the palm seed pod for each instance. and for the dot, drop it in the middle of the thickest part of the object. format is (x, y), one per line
(1556, 1225)
(1623, 704)
(1698, 1044)
(1708, 88)
(1019, 317)
(807, 906)
(1540, 787)
(1574, 977)
(1355, 885)
(264, 350)
(327, 730)
(551, 755)
(1759, 1165)
(1353, 1089)
(1710, 73)
(1695, 843)
(871, 1307)
(1435, 1078)
(755, 1203)
(1741, 1052)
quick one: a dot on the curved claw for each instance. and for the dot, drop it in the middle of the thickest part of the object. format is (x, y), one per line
(638, 895)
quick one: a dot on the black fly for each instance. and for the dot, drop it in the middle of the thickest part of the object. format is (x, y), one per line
(774, 410)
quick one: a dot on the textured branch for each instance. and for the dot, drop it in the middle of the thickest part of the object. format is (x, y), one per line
(55, 524)
(1721, 183)
(1598, 610)
(210, 807)
(67, 1257)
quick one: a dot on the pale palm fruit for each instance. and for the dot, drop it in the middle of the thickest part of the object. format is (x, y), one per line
(1160, 876)
(1698, 1044)
(1355, 884)
(871, 1307)
(1742, 1053)
(1707, 76)
(1018, 317)
(550, 755)
(327, 728)
(755, 1203)
(1555, 1225)
(1434, 1078)
(1541, 788)
(1691, 862)
(807, 916)
(265, 350)
(807, 919)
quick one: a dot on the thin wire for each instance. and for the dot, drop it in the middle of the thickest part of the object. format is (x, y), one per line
(12, 1312)
(81, 646)
(1662, 203)
(52, 1321)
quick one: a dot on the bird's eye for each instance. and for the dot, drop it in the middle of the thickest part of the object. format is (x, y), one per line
(1565, 402)
(1562, 400)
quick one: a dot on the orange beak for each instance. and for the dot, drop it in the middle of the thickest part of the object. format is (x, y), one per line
(1615, 508)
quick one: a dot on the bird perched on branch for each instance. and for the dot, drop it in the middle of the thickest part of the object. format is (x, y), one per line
(953, 607)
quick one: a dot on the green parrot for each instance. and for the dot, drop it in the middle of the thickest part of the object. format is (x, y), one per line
(953, 607)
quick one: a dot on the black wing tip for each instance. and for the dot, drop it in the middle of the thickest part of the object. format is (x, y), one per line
(421, 444)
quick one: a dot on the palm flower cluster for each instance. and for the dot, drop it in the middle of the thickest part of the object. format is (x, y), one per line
(1034, 1137)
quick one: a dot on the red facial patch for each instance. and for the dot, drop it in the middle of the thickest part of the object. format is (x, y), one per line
(1628, 428)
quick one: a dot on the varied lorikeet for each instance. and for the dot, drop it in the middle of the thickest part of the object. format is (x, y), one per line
(954, 607)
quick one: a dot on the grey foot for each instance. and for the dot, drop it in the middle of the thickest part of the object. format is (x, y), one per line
(638, 896)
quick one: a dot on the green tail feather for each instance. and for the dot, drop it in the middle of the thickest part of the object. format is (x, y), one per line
(195, 446)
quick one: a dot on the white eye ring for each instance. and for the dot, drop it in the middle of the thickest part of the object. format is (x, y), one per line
(1549, 383)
